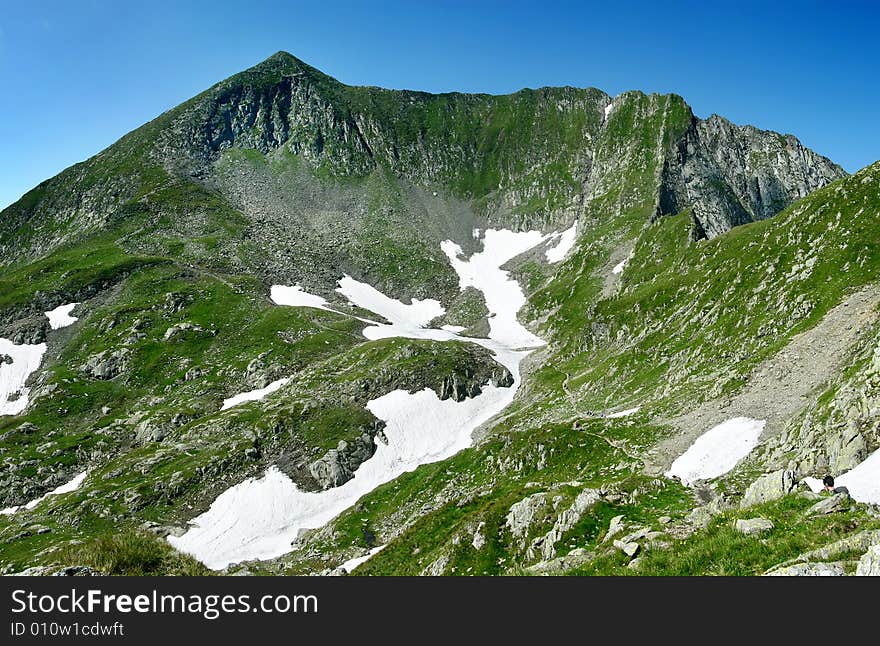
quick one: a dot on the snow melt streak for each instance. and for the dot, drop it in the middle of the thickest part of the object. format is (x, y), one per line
(67, 487)
(718, 450)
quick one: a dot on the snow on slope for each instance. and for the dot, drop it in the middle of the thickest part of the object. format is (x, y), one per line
(624, 413)
(566, 242)
(351, 564)
(258, 518)
(718, 450)
(418, 314)
(294, 296)
(503, 295)
(254, 395)
(863, 481)
(25, 361)
(60, 317)
(67, 487)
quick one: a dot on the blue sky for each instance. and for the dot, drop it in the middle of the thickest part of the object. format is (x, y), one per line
(78, 74)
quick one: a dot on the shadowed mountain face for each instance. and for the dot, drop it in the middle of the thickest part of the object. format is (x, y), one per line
(708, 261)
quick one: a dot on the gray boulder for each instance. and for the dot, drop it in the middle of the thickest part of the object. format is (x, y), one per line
(615, 527)
(337, 466)
(809, 569)
(769, 487)
(837, 502)
(753, 526)
(628, 548)
(575, 558)
(106, 364)
(869, 564)
(526, 513)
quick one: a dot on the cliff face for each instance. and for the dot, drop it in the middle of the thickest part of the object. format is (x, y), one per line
(733, 174)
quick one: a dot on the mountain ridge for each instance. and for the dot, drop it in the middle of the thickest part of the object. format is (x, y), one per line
(688, 254)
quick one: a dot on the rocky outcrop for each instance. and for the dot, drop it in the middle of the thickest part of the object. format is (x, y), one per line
(337, 466)
(769, 487)
(528, 513)
(107, 364)
(837, 502)
(753, 526)
(732, 175)
(855, 543)
(809, 569)
(546, 545)
(869, 564)
(574, 559)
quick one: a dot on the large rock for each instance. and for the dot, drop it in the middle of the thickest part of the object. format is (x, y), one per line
(837, 502)
(855, 543)
(869, 564)
(527, 513)
(337, 466)
(753, 526)
(769, 487)
(575, 558)
(106, 364)
(809, 569)
(546, 545)
(615, 527)
(630, 548)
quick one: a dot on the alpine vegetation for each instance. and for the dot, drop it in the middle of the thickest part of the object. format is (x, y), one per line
(293, 326)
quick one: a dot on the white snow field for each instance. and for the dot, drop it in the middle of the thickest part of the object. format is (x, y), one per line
(863, 481)
(416, 315)
(503, 295)
(566, 242)
(254, 395)
(718, 450)
(25, 360)
(618, 268)
(624, 413)
(351, 564)
(260, 517)
(295, 297)
(71, 485)
(815, 484)
(60, 317)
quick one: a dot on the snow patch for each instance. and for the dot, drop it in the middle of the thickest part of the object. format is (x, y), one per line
(476, 234)
(608, 109)
(618, 268)
(863, 481)
(13, 376)
(453, 328)
(295, 297)
(566, 242)
(60, 317)
(260, 517)
(351, 564)
(418, 314)
(815, 484)
(67, 487)
(503, 295)
(718, 450)
(624, 413)
(254, 395)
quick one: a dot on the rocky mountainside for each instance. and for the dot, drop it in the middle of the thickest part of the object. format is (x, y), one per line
(284, 280)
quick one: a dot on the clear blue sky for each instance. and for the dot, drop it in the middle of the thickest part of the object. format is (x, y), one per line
(78, 74)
